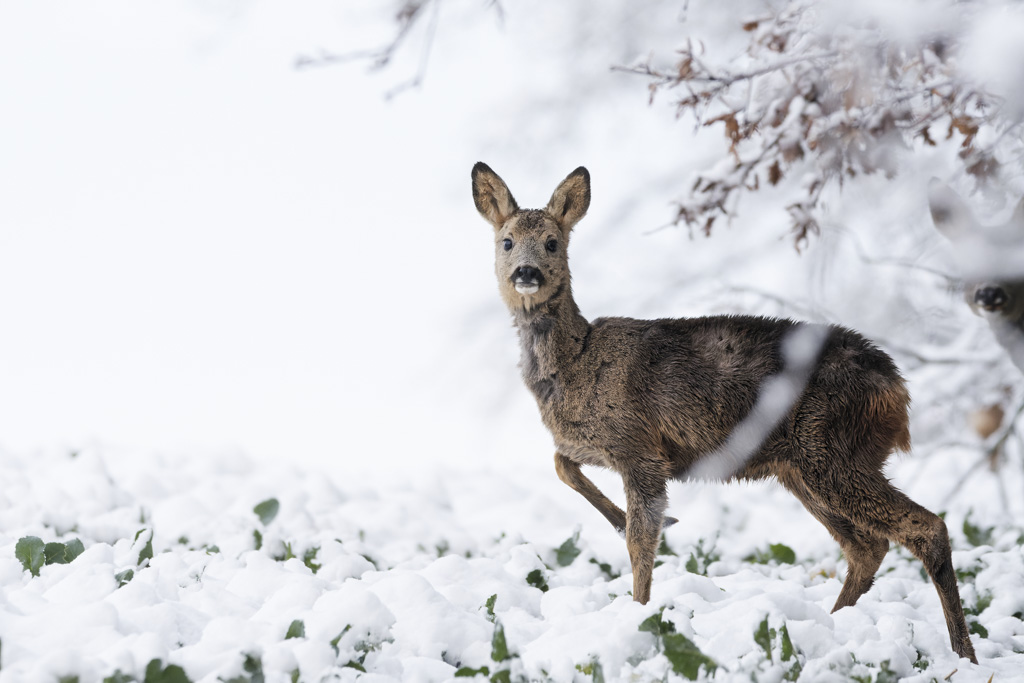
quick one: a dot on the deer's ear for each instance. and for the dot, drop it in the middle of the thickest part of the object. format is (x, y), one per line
(491, 195)
(571, 199)
(949, 213)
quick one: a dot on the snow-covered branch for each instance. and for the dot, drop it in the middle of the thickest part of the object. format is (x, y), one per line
(825, 101)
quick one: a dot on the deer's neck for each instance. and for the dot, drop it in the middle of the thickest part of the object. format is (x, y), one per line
(553, 337)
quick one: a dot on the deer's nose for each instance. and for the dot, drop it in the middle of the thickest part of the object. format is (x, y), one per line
(990, 298)
(527, 275)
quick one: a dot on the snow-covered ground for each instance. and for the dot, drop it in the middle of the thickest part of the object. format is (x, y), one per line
(377, 578)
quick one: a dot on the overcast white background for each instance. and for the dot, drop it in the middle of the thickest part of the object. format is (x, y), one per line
(202, 247)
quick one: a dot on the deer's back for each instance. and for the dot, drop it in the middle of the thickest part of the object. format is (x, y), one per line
(680, 387)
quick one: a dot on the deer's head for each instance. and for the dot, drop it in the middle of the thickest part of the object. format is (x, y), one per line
(530, 245)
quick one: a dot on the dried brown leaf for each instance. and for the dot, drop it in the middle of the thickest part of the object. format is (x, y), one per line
(781, 114)
(966, 126)
(983, 168)
(792, 152)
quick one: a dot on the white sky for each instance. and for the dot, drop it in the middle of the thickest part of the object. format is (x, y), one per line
(201, 247)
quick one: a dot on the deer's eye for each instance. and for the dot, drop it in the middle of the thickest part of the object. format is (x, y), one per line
(551, 245)
(507, 244)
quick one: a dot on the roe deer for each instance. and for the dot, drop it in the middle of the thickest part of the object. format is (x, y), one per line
(992, 259)
(818, 407)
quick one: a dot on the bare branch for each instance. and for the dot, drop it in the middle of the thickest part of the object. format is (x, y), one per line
(379, 58)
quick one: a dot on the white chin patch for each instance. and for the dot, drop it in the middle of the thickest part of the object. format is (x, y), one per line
(524, 288)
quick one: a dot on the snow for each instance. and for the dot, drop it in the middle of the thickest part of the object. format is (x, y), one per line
(404, 571)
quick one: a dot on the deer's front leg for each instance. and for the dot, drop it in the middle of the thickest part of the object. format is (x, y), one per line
(569, 472)
(645, 508)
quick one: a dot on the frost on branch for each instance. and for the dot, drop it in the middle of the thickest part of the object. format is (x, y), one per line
(820, 99)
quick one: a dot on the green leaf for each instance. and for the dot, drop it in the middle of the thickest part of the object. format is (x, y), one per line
(700, 559)
(984, 600)
(54, 553)
(309, 557)
(536, 579)
(787, 645)
(499, 647)
(119, 677)
(664, 548)
(592, 669)
(353, 664)
(157, 673)
(783, 553)
(288, 552)
(489, 606)
(606, 568)
(267, 510)
(147, 550)
(296, 629)
(73, 549)
(685, 656)
(124, 577)
(337, 638)
(503, 676)
(257, 538)
(568, 551)
(977, 629)
(466, 672)
(253, 665)
(778, 552)
(885, 674)
(977, 535)
(656, 625)
(62, 553)
(763, 638)
(789, 653)
(30, 550)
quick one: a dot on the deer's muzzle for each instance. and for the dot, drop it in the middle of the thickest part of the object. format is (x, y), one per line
(527, 279)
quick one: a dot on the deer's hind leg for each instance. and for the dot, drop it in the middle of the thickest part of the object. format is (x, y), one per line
(864, 550)
(870, 502)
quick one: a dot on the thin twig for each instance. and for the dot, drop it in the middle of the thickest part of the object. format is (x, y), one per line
(875, 260)
(381, 57)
